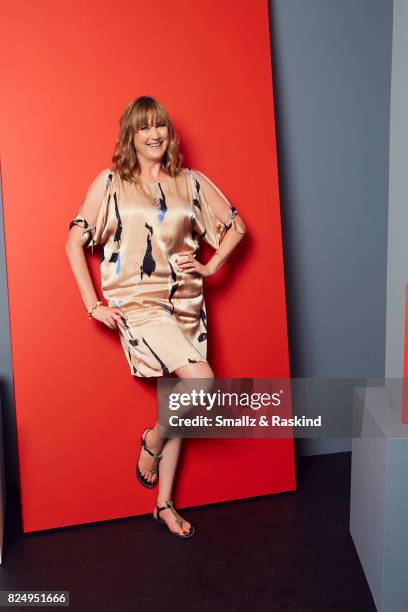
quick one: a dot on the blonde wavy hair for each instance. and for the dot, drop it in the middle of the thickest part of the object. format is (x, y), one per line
(136, 114)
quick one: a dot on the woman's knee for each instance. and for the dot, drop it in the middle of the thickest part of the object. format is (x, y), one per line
(201, 369)
(194, 377)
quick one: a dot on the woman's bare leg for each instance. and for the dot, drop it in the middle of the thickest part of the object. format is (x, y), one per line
(171, 453)
(154, 440)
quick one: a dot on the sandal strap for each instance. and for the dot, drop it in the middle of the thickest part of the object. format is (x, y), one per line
(154, 469)
(157, 456)
(170, 505)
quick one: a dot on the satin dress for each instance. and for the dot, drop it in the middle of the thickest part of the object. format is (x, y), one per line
(140, 230)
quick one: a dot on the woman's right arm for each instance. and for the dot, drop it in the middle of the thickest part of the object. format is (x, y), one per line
(111, 317)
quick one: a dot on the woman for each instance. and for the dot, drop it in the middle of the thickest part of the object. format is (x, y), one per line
(148, 213)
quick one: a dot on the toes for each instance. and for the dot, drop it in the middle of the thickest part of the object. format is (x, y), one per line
(184, 528)
(146, 475)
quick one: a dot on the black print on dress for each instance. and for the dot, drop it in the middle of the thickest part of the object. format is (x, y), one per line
(194, 232)
(118, 233)
(172, 292)
(196, 199)
(149, 265)
(115, 257)
(133, 341)
(173, 287)
(102, 254)
(150, 228)
(192, 360)
(168, 309)
(162, 365)
(108, 183)
(172, 272)
(203, 318)
(162, 205)
(133, 365)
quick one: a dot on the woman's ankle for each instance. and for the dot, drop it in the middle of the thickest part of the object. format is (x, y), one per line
(153, 440)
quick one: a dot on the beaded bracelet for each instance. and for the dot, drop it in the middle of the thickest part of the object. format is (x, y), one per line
(92, 308)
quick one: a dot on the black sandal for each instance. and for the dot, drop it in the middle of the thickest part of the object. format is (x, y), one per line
(154, 470)
(179, 520)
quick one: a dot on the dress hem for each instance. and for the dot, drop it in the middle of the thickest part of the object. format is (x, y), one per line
(179, 365)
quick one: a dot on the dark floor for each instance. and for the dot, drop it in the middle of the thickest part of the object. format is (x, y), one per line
(290, 552)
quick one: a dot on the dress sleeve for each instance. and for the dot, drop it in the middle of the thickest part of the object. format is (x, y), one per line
(213, 213)
(93, 233)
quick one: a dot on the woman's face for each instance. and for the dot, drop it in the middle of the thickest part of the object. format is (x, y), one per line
(151, 141)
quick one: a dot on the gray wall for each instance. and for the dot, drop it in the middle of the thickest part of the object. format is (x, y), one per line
(6, 373)
(397, 274)
(332, 68)
(331, 62)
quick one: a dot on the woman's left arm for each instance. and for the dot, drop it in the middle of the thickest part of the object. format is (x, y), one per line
(218, 223)
(231, 239)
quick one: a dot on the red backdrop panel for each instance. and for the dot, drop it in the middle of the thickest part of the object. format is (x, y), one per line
(68, 71)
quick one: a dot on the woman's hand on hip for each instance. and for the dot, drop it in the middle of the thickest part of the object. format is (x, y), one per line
(187, 262)
(112, 317)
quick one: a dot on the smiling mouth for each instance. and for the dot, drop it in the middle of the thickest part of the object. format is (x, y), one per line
(155, 144)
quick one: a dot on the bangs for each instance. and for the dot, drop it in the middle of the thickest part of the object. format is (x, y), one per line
(148, 109)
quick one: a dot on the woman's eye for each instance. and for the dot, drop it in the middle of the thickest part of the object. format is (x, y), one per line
(146, 127)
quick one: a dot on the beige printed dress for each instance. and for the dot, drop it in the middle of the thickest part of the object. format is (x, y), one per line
(140, 229)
